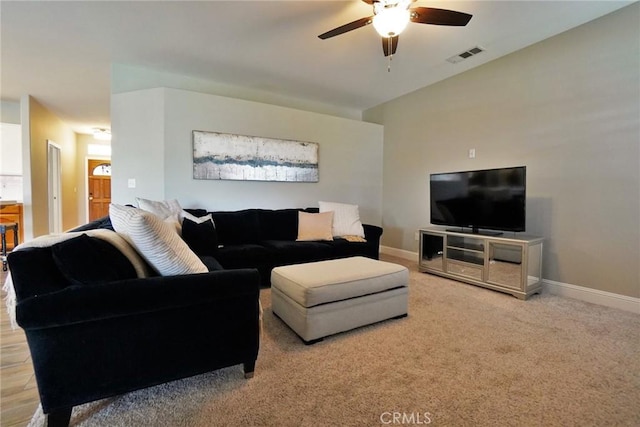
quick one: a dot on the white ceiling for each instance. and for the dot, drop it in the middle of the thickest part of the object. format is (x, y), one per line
(61, 52)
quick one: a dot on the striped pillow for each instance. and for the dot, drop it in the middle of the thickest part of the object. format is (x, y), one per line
(156, 241)
(168, 210)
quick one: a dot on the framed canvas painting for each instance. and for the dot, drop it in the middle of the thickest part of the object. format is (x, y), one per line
(227, 156)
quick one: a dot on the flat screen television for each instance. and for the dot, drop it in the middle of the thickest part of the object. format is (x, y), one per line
(492, 199)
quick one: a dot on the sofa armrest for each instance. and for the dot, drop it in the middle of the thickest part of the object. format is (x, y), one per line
(81, 304)
(372, 233)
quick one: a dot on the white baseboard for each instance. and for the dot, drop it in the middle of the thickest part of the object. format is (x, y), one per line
(595, 296)
(400, 253)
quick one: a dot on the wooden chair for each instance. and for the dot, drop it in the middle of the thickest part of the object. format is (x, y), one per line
(4, 227)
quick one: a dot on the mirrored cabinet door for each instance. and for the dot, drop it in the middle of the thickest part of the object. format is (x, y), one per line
(505, 265)
(534, 264)
(432, 251)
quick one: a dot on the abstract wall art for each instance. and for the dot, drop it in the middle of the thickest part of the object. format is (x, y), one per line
(227, 156)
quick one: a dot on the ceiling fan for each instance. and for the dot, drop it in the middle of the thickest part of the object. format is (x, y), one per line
(390, 17)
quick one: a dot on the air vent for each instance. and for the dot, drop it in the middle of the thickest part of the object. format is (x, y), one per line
(466, 54)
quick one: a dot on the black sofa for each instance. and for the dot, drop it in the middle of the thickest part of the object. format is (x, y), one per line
(96, 330)
(266, 238)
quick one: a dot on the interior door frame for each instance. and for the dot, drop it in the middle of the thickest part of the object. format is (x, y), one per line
(86, 180)
(54, 186)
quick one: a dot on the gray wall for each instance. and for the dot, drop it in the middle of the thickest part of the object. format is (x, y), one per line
(152, 143)
(10, 112)
(568, 109)
(137, 145)
(127, 78)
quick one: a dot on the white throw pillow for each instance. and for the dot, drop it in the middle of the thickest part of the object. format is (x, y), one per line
(162, 209)
(156, 241)
(346, 219)
(314, 226)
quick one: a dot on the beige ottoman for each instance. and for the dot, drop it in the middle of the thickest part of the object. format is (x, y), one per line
(318, 299)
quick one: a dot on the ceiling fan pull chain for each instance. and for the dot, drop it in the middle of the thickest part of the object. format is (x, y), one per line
(390, 47)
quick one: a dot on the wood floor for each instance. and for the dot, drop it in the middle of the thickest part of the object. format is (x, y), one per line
(18, 390)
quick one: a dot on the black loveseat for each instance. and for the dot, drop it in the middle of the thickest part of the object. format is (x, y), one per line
(96, 330)
(266, 238)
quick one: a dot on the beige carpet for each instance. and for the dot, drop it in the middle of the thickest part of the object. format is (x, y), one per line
(464, 356)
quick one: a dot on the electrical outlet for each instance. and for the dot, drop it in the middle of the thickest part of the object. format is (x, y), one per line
(472, 153)
(416, 236)
(131, 183)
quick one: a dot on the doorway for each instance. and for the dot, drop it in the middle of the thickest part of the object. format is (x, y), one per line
(98, 187)
(55, 193)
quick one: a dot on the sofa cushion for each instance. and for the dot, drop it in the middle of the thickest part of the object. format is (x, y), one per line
(156, 241)
(292, 252)
(86, 260)
(342, 248)
(279, 224)
(313, 226)
(237, 227)
(211, 263)
(243, 256)
(201, 237)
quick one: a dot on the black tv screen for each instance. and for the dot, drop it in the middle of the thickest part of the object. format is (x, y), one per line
(493, 199)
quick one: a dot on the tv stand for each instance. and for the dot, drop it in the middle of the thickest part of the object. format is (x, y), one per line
(506, 264)
(475, 230)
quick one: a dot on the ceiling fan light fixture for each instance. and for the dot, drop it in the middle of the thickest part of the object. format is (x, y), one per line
(102, 134)
(391, 21)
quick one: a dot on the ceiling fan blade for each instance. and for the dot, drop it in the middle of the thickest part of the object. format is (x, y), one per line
(429, 15)
(389, 45)
(347, 27)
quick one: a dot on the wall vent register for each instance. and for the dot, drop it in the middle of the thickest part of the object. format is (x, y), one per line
(466, 54)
